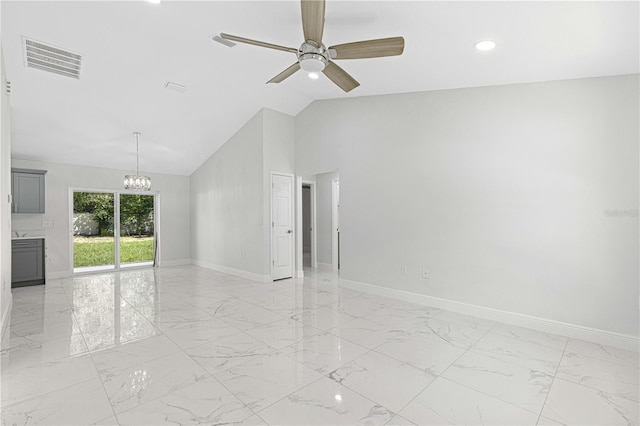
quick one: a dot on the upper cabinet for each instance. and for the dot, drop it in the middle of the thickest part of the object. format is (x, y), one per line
(27, 190)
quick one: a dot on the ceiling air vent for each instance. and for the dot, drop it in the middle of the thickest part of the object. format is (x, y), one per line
(50, 58)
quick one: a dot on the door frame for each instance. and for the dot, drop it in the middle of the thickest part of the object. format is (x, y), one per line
(294, 234)
(312, 207)
(335, 224)
(116, 224)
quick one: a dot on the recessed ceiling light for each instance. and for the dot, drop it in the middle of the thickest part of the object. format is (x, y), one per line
(154, 1)
(314, 75)
(485, 45)
(338, 397)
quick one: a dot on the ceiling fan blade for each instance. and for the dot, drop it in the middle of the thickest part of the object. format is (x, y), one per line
(285, 74)
(313, 20)
(258, 43)
(340, 77)
(370, 48)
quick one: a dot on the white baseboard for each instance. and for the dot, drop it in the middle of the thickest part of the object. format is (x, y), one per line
(595, 335)
(179, 262)
(5, 316)
(325, 266)
(300, 274)
(232, 271)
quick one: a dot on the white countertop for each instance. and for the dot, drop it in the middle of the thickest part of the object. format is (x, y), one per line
(27, 235)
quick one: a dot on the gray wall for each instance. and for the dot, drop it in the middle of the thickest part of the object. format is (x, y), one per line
(173, 210)
(230, 196)
(504, 193)
(279, 156)
(227, 204)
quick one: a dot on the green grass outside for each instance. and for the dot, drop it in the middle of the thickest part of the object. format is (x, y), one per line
(96, 251)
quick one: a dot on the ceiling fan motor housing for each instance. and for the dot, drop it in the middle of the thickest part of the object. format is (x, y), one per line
(313, 58)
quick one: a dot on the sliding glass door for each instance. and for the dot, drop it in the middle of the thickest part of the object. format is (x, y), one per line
(137, 230)
(93, 231)
(112, 230)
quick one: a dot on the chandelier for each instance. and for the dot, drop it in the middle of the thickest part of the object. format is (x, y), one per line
(137, 182)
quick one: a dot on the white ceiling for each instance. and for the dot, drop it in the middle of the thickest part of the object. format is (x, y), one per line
(132, 48)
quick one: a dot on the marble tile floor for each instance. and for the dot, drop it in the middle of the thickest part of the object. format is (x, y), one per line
(186, 345)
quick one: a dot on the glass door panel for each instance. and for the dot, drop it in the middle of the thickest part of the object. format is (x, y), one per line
(137, 232)
(93, 231)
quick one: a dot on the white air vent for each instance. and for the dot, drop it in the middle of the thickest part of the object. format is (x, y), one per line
(50, 58)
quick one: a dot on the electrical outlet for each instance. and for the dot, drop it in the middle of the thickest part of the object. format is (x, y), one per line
(425, 273)
(403, 270)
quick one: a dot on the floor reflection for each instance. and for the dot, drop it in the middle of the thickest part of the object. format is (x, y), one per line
(104, 307)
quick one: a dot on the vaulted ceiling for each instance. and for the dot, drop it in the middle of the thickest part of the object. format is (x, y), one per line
(131, 49)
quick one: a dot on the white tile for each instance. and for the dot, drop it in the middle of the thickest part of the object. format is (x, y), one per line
(133, 353)
(545, 421)
(519, 352)
(402, 316)
(251, 317)
(264, 380)
(325, 402)
(252, 421)
(324, 318)
(110, 421)
(445, 402)
(460, 334)
(365, 332)
(283, 332)
(228, 351)
(399, 421)
(373, 375)
(40, 348)
(426, 354)
(324, 352)
(610, 377)
(572, 404)
(159, 336)
(192, 334)
(203, 402)
(142, 383)
(25, 382)
(511, 383)
(603, 352)
(357, 307)
(529, 335)
(80, 404)
(479, 324)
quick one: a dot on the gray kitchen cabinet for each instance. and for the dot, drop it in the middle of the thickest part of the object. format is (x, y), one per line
(27, 262)
(27, 189)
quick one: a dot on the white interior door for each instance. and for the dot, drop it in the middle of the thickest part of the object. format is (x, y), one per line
(282, 226)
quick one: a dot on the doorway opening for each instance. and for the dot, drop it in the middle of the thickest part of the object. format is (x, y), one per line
(317, 220)
(309, 258)
(112, 230)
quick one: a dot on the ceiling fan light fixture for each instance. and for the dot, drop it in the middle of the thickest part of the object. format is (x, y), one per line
(314, 75)
(312, 62)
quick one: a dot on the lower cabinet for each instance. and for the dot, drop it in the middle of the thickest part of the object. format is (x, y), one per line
(27, 262)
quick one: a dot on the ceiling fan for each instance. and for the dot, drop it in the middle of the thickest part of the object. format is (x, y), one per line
(314, 57)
